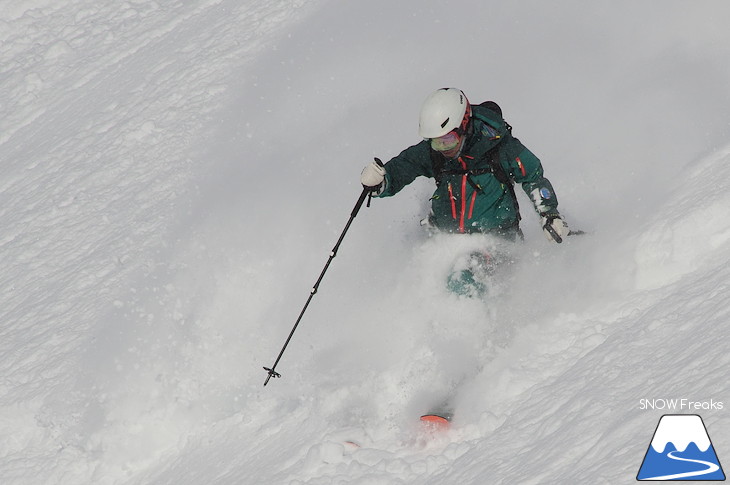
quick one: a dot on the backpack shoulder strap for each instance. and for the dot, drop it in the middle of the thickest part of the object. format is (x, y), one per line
(493, 115)
(437, 163)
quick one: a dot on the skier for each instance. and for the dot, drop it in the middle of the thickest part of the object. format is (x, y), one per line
(475, 160)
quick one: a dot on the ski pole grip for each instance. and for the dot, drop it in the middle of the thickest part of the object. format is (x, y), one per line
(371, 190)
(363, 196)
(366, 194)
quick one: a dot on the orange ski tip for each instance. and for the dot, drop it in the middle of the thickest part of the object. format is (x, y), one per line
(434, 418)
(436, 422)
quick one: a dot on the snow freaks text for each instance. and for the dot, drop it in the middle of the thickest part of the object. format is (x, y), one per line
(679, 405)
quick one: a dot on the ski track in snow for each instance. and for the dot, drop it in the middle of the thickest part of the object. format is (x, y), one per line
(152, 260)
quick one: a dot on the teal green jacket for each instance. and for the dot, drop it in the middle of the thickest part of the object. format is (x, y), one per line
(469, 195)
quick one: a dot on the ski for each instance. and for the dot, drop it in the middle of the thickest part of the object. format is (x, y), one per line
(436, 422)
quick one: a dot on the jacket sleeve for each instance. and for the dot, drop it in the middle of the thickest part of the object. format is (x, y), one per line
(413, 162)
(525, 168)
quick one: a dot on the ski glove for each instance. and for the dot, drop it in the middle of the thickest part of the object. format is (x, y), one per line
(373, 177)
(554, 227)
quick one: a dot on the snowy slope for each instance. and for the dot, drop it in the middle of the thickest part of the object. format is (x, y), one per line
(104, 107)
(173, 175)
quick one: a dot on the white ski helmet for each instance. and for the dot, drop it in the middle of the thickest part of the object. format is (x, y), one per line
(443, 110)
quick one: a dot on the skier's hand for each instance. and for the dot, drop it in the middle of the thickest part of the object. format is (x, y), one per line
(373, 178)
(554, 227)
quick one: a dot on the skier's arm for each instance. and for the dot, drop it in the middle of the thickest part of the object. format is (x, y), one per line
(404, 168)
(526, 169)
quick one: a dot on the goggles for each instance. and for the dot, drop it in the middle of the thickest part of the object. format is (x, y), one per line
(446, 143)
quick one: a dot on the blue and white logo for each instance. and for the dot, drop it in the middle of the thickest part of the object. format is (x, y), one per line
(681, 450)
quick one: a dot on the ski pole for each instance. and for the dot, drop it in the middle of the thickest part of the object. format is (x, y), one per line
(272, 370)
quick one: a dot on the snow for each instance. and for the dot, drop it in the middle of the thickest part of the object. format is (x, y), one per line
(174, 174)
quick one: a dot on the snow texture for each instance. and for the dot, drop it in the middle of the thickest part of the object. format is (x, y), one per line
(173, 175)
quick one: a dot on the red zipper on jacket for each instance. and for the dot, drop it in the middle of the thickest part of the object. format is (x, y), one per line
(462, 228)
(461, 214)
(453, 202)
(471, 207)
(463, 203)
(473, 195)
(522, 167)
